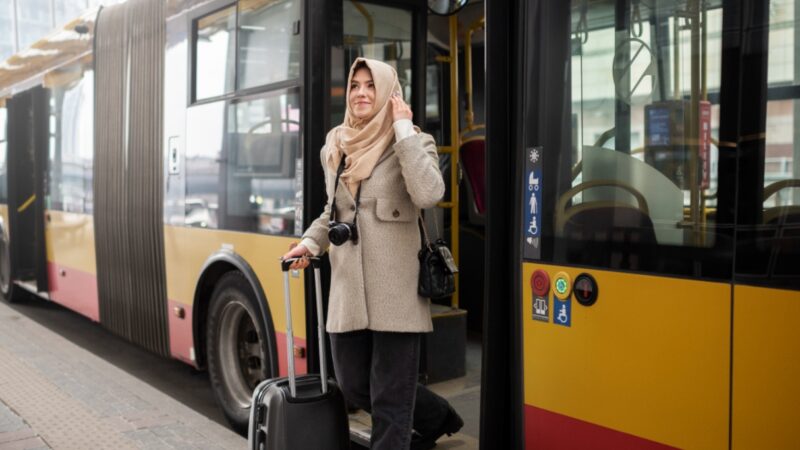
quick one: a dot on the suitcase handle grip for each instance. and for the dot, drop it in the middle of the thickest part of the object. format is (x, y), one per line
(286, 263)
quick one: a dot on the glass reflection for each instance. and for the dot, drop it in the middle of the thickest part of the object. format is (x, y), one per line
(269, 46)
(215, 53)
(636, 123)
(204, 138)
(241, 165)
(768, 236)
(371, 31)
(71, 141)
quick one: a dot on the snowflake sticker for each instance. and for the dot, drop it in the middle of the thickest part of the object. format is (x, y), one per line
(534, 155)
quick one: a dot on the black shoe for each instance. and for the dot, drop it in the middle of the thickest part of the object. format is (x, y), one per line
(450, 425)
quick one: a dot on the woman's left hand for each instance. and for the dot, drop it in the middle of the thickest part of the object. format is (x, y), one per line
(400, 110)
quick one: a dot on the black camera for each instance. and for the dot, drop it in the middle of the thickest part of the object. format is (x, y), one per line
(341, 232)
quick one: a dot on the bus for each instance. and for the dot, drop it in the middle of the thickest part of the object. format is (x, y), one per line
(623, 200)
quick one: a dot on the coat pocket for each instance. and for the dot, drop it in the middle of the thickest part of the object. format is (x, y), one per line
(389, 210)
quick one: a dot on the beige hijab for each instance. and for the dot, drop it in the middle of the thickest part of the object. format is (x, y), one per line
(363, 141)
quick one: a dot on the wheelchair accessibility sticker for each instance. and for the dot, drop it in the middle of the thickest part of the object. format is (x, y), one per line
(562, 311)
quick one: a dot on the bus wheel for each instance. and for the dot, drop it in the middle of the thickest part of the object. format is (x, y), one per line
(236, 347)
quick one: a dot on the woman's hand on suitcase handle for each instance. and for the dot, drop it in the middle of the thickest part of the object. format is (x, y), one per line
(301, 253)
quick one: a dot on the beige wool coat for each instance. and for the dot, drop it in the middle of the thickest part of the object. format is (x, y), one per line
(374, 282)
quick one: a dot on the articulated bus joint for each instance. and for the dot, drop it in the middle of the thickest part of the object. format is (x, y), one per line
(217, 265)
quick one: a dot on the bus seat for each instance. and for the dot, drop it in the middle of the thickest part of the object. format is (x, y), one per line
(599, 227)
(472, 154)
(664, 198)
(781, 214)
(782, 223)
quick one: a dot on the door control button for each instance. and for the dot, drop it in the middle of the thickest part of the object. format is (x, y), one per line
(585, 289)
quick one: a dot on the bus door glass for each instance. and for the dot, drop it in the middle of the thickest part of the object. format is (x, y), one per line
(5, 260)
(766, 313)
(626, 267)
(372, 31)
(28, 147)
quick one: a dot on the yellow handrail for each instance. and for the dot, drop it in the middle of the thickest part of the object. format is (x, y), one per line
(452, 149)
(370, 22)
(470, 116)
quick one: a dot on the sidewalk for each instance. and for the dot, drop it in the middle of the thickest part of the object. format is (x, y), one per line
(54, 394)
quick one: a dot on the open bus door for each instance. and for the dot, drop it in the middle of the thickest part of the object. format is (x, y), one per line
(397, 32)
(28, 140)
(659, 303)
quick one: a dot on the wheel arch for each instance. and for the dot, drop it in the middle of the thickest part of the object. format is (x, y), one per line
(217, 265)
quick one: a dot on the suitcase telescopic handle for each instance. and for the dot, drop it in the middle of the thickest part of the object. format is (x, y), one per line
(287, 263)
(323, 367)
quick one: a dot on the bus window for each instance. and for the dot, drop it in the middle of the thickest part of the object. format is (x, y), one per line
(214, 54)
(264, 143)
(243, 139)
(641, 174)
(241, 173)
(371, 31)
(768, 238)
(269, 42)
(204, 157)
(72, 140)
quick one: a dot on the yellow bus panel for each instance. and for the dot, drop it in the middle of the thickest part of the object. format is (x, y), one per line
(187, 249)
(646, 366)
(766, 368)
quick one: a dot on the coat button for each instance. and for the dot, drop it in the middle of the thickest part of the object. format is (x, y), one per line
(352, 208)
(395, 214)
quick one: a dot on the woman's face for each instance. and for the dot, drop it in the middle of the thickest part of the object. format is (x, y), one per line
(362, 93)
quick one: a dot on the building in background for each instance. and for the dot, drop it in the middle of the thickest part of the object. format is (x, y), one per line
(23, 22)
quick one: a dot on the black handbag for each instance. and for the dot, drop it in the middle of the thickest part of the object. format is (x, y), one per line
(437, 268)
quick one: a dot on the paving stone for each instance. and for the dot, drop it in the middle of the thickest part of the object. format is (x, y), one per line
(18, 435)
(54, 394)
(25, 444)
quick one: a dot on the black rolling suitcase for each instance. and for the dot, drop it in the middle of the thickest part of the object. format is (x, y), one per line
(299, 413)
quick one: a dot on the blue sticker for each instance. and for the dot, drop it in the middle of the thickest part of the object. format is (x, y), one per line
(562, 312)
(532, 204)
(533, 198)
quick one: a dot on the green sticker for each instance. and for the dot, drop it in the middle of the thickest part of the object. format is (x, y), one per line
(561, 286)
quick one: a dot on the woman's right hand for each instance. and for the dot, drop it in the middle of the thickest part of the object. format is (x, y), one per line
(297, 251)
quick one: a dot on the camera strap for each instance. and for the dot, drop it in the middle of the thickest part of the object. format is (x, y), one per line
(336, 187)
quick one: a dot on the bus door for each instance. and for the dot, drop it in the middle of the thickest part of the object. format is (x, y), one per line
(766, 293)
(626, 238)
(28, 138)
(396, 33)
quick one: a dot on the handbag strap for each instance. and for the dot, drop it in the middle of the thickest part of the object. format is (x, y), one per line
(423, 235)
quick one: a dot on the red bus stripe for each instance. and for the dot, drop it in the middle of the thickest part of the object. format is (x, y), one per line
(551, 431)
(74, 289)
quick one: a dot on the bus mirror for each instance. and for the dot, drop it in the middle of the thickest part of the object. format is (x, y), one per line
(446, 7)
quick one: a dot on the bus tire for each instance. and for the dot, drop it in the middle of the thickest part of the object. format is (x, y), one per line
(236, 346)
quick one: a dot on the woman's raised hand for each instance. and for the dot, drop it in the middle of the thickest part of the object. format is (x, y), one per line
(400, 110)
(297, 251)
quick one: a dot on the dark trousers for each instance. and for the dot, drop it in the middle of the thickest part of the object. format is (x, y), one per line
(377, 372)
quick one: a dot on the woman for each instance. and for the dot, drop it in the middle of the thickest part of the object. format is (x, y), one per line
(380, 171)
